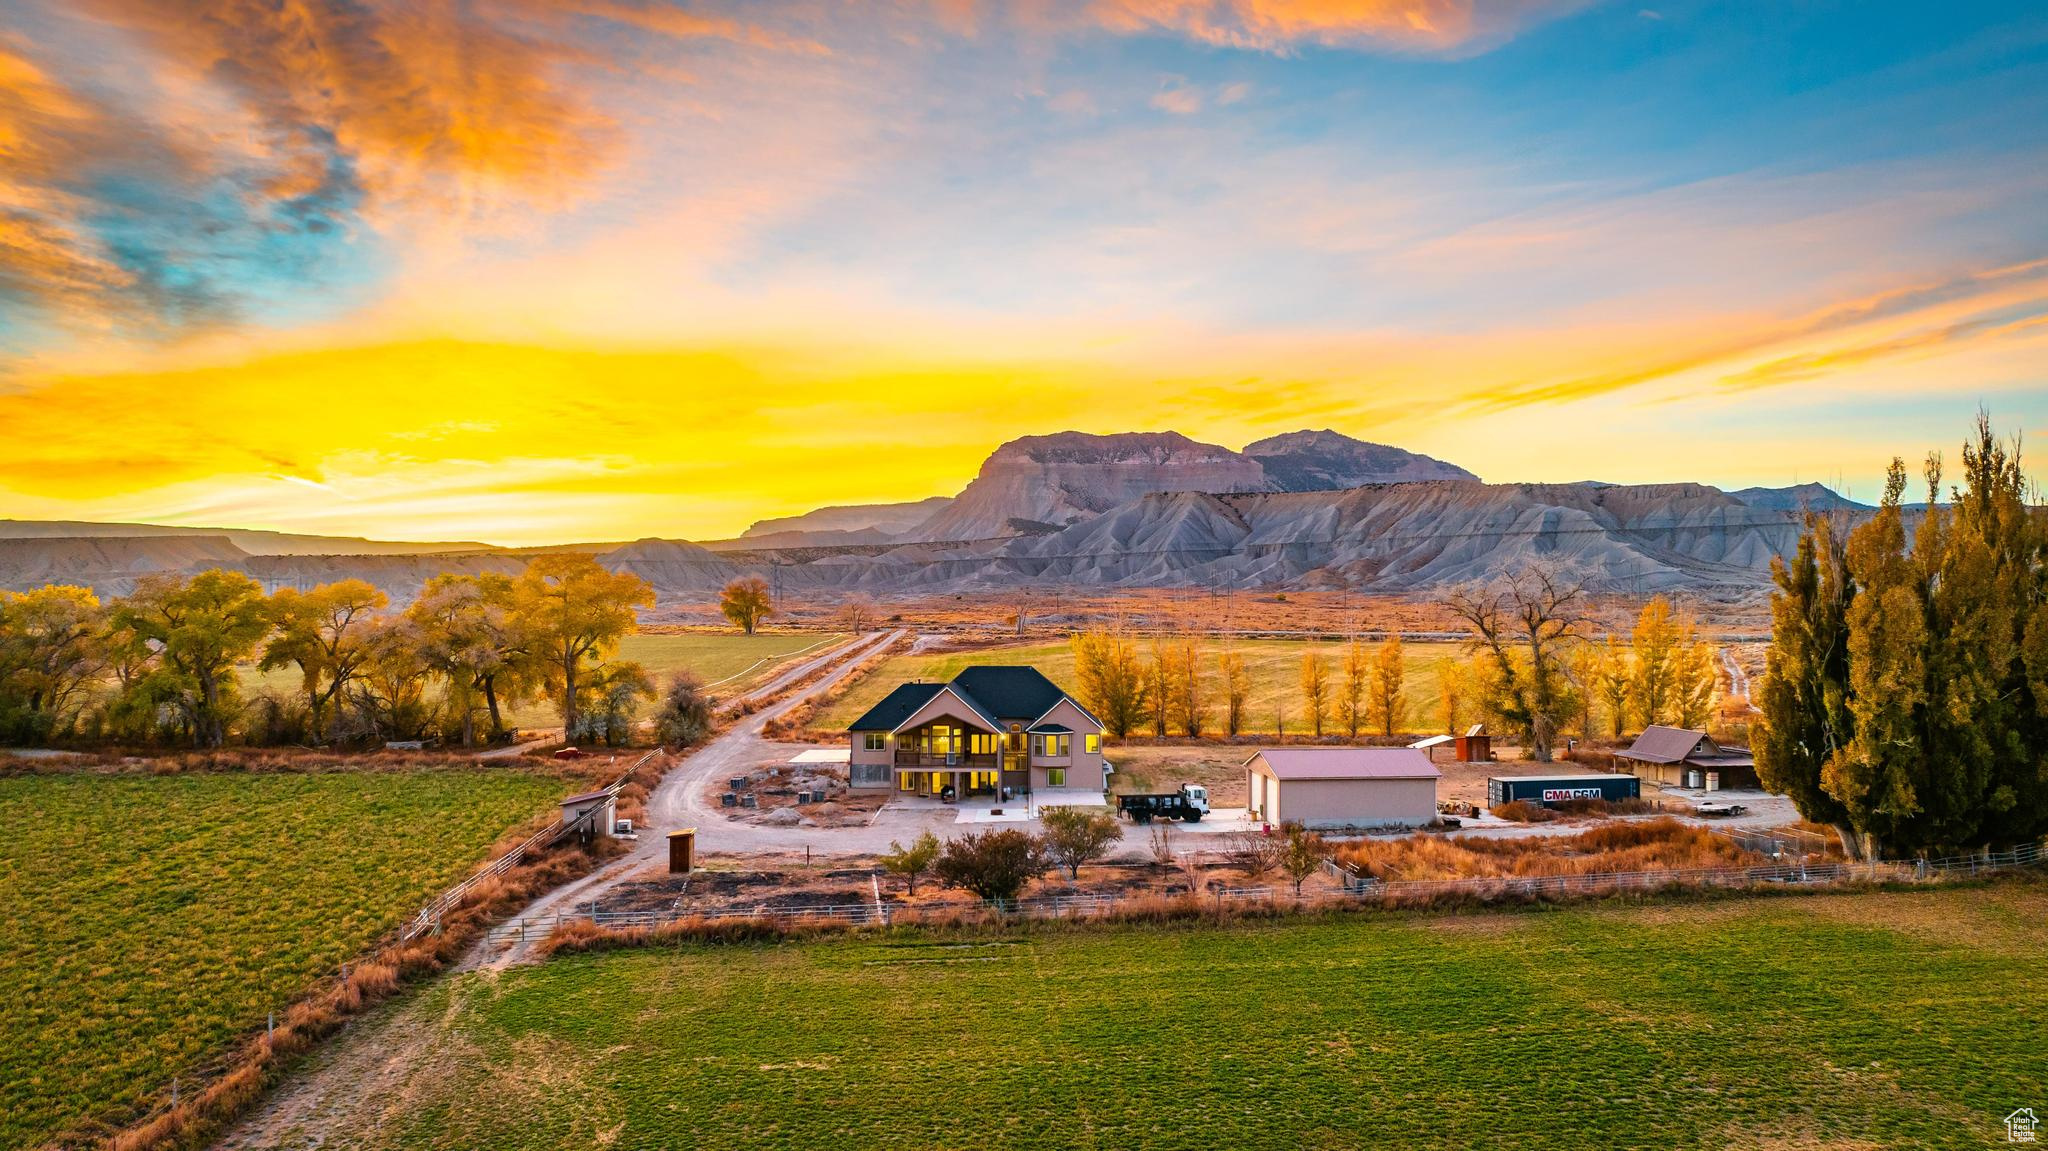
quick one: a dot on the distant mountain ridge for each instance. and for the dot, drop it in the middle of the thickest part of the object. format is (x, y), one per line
(886, 519)
(1129, 510)
(1327, 461)
(252, 540)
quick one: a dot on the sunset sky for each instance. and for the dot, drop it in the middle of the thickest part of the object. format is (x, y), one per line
(542, 270)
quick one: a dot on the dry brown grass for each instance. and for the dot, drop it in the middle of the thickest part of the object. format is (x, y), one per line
(1522, 811)
(1647, 845)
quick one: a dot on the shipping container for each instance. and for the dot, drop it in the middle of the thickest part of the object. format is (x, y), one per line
(1554, 789)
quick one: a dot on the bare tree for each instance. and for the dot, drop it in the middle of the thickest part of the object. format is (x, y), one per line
(1524, 622)
(1161, 845)
(857, 614)
(1253, 850)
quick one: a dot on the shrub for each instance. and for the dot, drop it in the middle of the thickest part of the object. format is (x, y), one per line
(1075, 835)
(913, 861)
(685, 716)
(1522, 811)
(1302, 855)
(994, 865)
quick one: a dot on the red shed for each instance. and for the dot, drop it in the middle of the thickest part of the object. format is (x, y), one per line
(1475, 746)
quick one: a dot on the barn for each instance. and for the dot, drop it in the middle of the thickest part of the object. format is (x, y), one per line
(1681, 757)
(1342, 787)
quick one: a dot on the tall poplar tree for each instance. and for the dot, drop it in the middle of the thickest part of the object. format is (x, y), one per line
(1803, 696)
(1874, 775)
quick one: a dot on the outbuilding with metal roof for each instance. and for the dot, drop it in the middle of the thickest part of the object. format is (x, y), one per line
(1342, 787)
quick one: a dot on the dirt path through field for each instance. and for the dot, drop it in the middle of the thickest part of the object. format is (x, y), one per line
(374, 1065)
(675, 802)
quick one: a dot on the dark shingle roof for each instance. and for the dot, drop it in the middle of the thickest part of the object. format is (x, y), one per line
(999, 693)
(896, 707)
(1052, 729)
(1008, 691)
(1659, 744)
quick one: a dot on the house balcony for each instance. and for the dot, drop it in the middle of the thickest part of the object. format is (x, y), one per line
(958, 761)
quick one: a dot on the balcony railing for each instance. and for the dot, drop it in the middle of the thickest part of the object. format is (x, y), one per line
(938, 759)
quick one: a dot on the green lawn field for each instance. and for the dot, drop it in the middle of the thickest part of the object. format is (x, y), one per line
(147, 920)
(730, 660)
(1889, 1020)
(1274, 664)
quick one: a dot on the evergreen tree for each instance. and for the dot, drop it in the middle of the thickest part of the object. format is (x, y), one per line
(1993, 513)
(1803, 696)
(1873, 776)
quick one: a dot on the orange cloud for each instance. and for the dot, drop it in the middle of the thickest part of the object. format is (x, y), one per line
(399, 95)
(1277, 25)
(47, 133)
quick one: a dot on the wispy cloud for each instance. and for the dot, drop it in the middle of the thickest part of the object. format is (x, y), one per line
(1282, 25)
(1177, 96)
(48, 134)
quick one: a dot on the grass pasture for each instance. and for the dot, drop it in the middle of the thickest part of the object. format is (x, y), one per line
(1274, 665)
(145, 921)
(1872, 1019)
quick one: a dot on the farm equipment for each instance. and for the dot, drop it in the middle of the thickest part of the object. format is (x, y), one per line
(1188, 805)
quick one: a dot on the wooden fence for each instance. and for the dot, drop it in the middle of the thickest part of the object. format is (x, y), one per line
(1353, 891)
(428, 919)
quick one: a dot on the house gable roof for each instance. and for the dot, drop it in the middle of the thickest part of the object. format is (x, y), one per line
(1000, 694)
(1660, 744)
(1346, 763)
(952, 691)
(1010, 691)
(896, 707)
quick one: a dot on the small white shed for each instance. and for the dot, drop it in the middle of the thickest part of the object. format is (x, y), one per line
(604, 802)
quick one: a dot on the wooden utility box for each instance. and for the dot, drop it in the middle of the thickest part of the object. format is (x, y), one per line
(1475, 746)
(682, 851)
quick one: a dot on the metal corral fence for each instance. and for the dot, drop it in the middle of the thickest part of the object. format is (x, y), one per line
(1778, 842)
(429, 917)
(1354, 890)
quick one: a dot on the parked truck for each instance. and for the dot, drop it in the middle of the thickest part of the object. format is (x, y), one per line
(1188, 805)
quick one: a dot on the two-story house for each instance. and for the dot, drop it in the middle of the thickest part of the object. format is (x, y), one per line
(987, 729)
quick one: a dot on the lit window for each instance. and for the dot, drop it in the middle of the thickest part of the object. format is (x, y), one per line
(1056, 777)
(1093, 743)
